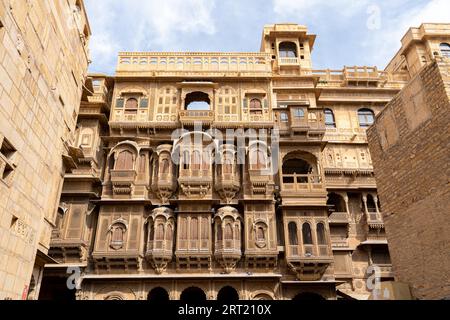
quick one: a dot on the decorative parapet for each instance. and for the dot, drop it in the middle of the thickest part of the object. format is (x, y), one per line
(185, 63)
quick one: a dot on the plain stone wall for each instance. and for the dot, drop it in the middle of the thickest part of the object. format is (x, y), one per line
(410, 146)
(43, 64)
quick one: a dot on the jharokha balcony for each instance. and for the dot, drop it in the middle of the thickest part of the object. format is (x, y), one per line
(300, 182)
(301, 122)
(123, 181)
(308, 250)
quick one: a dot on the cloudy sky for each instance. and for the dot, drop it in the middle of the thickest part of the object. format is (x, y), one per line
(363, 32)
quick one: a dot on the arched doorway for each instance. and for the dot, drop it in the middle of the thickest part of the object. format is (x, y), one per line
(296, 171)
(197, 101)
(193, 295)
(228, 294)
(158, 295)
(308, 296)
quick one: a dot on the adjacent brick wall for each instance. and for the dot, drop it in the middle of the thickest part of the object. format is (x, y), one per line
(410, 146)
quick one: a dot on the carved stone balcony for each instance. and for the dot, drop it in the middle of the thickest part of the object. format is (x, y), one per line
(67, 251)
(228, 185)
(292, 61)
(195, 183)
(107, 261)
(190, 117)
(159, 253)
(337, 218)
(228, 253)
(386, 270)
(309, 262)
(363, 74)
(123, 181)
(375, 220)
(261, 181)
(165, 186)
(170, 64)
(339, 242)
(307, 189)
(193, 254)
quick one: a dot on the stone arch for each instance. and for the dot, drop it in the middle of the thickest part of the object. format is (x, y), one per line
(193, 295)
(228, 294)
(197, 100)
(308, 296)
(263, 295)
(158, 295)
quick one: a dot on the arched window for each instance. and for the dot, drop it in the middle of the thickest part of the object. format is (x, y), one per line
(293, 238)
(164, 166)
(259, 159)
(196, 160)
(124, 161)
(219, 232)
(371, 204)
(228, 232)
(299, 113)
(307, 236)
(169, 233)
(288, 50)
(330, 121)
(186, 160)
(321, 238)
(131, 106)
(194, 229)
(260, 233)
(366, 118)
(159, 234)
(284, 117)
(445, 50)
(227, 165)
(255, 106)
(117, 236)
(336, 203)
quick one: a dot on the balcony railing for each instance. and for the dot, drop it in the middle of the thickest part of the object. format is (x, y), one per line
(160, 248)
(288, 61)
(375, 219)
(308, 252)
(201, 62)
(328, 76)
(385, 269)
(192, 173)
(127, 176)
(302, 182)
(339, 218)
(339, 242)
(193, 246)
(193, 116)
(228, 247)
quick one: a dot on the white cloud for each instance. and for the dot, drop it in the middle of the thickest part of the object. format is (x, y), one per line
(384, 43)
(142, 25)
(304, 8)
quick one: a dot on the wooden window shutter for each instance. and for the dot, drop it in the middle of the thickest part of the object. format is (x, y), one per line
(74, 228)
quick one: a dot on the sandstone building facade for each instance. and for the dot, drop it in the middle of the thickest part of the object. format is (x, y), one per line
(43, 68)
(226, 176)
(410, 148)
